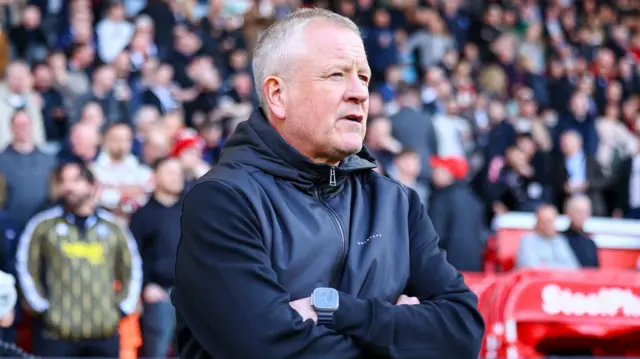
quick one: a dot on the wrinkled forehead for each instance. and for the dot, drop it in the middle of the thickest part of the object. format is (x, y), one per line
(327, 43)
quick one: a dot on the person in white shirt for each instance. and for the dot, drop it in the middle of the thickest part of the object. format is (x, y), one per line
(125, 182)
(114, 32)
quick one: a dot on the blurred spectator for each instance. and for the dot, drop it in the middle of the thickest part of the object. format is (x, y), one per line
(582, 121)
(104, 91)
(501, 133)
(457, 217)
(70, 76)
(30, 42)
(156, 227)
(156, 145)
(628, 186)
(380, 142)
(160, 93)
(519, 186)
(406, 168)
(83, 144)
(545, 247)
(26, 168)
(16, 93)
(145, 119)
(577, 172)
(380, 43)
(616, 141)
(454, 133)
(212, 134)
(113, 32)
(431, 42)
(79, 306)
(414, 129)
(578, 209)
(54, 113)
(188, 149)
(125, 182)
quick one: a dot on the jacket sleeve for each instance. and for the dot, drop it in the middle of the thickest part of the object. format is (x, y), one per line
(28, 266)
(128, 271)
(227, 292)
(446, 324)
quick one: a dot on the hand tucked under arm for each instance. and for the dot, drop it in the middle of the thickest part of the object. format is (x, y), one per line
(446, 323)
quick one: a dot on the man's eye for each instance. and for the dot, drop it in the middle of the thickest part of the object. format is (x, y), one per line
(336, 75)
(364, 78)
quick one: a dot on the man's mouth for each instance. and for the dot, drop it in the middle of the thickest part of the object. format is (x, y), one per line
(354, 118)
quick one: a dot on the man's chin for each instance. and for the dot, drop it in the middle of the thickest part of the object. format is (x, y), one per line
(351, 147)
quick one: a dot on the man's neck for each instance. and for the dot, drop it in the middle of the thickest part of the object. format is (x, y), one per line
(84, 211)
(166, 199)
(117, 159)
(23, 147)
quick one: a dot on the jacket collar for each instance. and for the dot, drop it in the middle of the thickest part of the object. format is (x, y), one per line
(256, 143)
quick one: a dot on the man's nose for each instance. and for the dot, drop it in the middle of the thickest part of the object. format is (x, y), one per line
(357, 91)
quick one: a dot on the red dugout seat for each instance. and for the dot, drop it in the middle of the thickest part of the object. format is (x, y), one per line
(544, 312)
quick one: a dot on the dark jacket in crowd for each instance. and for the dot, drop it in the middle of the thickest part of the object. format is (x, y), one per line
(415, 130)
(594, 176)
(9, 238)
(156, 228)
(583, 247)
(458, 218)
(266, 226)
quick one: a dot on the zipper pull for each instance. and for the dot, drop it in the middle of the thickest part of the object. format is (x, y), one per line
(332, 177)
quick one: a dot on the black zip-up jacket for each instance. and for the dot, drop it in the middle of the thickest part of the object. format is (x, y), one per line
(266, 226)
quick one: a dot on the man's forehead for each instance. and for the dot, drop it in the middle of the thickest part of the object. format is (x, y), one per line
(331, 42)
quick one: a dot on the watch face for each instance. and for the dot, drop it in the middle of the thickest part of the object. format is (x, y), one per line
(325, 299)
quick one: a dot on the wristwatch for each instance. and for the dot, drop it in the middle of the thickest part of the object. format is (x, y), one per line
(325, 301)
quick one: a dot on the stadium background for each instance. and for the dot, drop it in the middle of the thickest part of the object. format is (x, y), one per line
(467, 94)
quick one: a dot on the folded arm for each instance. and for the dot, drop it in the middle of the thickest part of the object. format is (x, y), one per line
(227, 293)
(446, 323)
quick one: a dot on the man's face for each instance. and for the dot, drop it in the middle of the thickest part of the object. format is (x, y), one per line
(579, 214)
(43, 77)
(21, 128)
(408, 164)
(75, 189)
(327, 101)
(17, 77)
(569, 144)
(170, 177)
(85, 140)
(118, 142)
(547, 221)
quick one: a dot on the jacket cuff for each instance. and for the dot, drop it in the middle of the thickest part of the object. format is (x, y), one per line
(352, 314)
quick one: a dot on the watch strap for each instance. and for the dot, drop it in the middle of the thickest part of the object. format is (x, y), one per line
(325, 318)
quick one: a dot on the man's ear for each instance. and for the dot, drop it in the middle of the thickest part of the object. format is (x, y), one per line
(274, 93)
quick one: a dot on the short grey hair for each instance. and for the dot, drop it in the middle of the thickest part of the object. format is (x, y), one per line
(577, 200)
(274, 49)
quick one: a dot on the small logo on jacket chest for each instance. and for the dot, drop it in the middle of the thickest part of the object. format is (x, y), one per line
(370, 238)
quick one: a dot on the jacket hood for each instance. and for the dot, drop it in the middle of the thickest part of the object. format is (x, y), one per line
(256, 143)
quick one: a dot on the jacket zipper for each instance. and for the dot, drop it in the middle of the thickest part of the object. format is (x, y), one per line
(332, 176)
(334, 216)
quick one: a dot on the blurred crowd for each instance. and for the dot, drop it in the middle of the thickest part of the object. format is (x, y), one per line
(483, 107)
